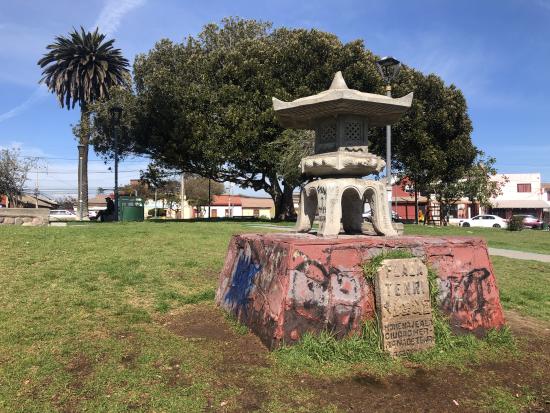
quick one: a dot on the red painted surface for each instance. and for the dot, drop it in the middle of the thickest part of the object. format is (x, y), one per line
(284, 285)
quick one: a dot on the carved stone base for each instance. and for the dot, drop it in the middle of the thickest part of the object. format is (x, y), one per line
(342, 199)
(348, 161)
(284, 285)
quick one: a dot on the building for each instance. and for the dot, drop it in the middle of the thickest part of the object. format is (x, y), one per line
(239, 206)
(257, 207)
(403, 200)
(224, 206)
(29, 201)
(546, 191)
(521, 194)
(98, 202)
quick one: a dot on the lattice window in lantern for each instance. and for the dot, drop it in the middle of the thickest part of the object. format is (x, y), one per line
(353, 134)
(327, 133)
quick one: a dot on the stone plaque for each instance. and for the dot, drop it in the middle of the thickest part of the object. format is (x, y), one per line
(403, 306)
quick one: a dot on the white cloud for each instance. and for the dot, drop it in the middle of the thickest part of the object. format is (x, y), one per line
(112, 13)
(27, 151)
(39, 93)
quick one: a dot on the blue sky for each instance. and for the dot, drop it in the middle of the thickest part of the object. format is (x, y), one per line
(496, 51)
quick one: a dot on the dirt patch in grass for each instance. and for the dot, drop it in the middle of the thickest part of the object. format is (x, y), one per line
(241, 355)
(426, 390)
(80, 367)
(448, 389)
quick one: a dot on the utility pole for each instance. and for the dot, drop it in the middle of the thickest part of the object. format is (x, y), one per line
(36, 190)
(209, 197)
(388, 68)
(116, 172)
(229, 203)
(182, 195)
(116, 115)
(81, 149)
(155, 202)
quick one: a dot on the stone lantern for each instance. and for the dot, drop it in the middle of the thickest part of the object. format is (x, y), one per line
(341, 118)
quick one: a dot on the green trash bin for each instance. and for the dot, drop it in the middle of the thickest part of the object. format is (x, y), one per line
(130, 208)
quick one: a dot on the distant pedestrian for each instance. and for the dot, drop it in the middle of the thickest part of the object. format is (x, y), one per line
(108, 213)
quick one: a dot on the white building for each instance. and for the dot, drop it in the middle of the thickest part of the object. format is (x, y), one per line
(521, 194)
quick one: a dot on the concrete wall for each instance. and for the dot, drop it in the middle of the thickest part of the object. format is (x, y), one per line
(24, 216)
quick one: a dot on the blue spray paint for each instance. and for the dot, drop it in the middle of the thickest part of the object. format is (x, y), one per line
(242, 282)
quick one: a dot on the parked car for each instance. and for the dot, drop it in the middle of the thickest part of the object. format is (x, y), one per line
(395, 217)
(487, 221)
(62, 215)
(530, 221)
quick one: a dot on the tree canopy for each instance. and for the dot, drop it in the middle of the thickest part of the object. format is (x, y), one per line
(204, 106)
(14, 170)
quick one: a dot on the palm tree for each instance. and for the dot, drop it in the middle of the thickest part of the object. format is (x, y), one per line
(80, 69)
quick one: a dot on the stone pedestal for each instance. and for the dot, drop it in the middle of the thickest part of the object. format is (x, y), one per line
(284, 285)
(341, 200)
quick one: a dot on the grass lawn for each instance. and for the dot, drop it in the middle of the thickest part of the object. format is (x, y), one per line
(526, 240)
(118, 317)
(524, 286)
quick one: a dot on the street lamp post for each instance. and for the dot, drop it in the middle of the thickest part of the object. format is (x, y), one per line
(388, 68)
(81, 149)
(116, 114)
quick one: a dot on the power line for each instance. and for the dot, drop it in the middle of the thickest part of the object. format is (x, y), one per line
(89, 172)
(76, 159)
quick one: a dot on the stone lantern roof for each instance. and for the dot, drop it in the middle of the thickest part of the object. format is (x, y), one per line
(303, 113)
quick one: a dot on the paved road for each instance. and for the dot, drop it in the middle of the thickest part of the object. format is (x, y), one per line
(519, 255)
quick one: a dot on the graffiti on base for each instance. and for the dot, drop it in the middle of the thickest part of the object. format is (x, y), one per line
(466, 293)
(242, 281)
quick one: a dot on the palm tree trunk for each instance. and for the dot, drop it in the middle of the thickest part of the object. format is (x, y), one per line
(84, 140)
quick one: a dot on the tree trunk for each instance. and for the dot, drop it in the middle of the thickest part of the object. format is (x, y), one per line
(415, 204)
(84, 140)
(282, 198)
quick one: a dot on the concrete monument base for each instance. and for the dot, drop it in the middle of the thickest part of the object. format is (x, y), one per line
(284, 285)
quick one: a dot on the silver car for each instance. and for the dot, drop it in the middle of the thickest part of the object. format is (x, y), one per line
(62, 215)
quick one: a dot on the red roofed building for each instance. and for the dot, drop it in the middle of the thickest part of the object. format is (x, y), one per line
(239, 206)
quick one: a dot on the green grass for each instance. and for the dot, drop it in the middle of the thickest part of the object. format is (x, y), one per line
(524, 286)
(526, 240)
(370, 267)
(89, 296)
(499, 399)
(82, 325)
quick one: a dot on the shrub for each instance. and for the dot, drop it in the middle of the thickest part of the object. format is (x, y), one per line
(161, 212)
(516, 224)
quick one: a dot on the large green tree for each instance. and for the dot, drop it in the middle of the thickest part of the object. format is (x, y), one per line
(432, 143)
(204, 106)
(80, 68)
(14, 170)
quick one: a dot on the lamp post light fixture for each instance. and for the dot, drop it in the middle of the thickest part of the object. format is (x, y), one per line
(389, 68)
(81, 149)
(116, 115)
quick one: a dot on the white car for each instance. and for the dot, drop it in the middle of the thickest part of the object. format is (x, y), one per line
(486, 221)
(62, 215)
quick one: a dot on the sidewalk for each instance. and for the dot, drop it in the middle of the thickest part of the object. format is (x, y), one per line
(519, 255)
